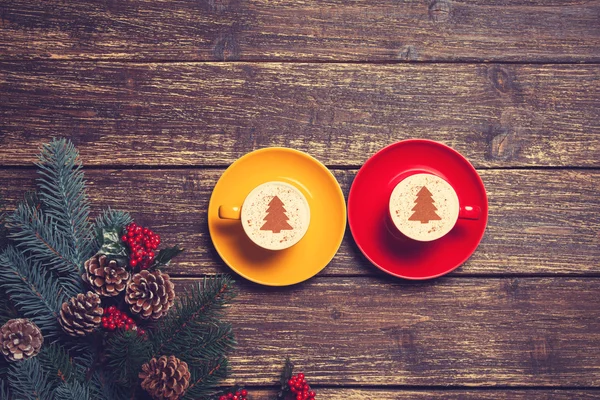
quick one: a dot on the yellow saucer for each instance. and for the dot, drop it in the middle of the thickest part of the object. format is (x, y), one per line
(327, 223)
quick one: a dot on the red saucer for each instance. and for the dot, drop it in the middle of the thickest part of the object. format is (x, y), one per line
(368, 207)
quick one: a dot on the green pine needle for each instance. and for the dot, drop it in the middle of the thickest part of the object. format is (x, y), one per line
(62, 190)
(58, 365)
(33, 292)
(72, 391)
(28, 381)
(109, 220)
(204, 379)
(126, 352)
(203, 304)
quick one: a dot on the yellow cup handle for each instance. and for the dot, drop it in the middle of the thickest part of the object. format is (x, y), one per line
(229, 212)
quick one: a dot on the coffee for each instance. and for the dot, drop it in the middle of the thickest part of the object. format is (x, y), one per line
(275, 215)
(424, 207)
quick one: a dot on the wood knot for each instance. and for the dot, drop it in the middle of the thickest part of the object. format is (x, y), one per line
(501, 79)
(439, 10)
(336, 314)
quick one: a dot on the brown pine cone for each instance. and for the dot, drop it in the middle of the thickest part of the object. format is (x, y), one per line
(150, 294)
(81, 314)
(165, 378)
(106, 276)
(20, 339)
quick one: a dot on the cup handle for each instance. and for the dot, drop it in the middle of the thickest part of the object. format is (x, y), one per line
(229, 212)
(469, 212)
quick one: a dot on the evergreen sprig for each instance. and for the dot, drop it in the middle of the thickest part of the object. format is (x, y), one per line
(60, 367)
(35, 234)
(205, 378)
(28, 381)
(126, 352)
(109, 220)
(62, 190)
(203, 304)
(32, 290)
(72, 391)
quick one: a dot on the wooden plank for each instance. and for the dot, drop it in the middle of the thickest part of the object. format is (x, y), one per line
(211, 114)
(541, 222)
(451, 332)
(345, 393)
(375, 30)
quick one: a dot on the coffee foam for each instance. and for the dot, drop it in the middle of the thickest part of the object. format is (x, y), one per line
(275, 215)
(424, 207)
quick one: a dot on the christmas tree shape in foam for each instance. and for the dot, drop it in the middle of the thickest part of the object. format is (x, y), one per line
(424, 209)
(276, 220)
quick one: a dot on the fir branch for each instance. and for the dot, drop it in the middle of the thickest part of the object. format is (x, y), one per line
(4, 393)
(286, 374)
(3, 228)
(59, 366)
(102, 387)
(210, 342)
(7, 309)
(72, 391)
(28, 381)
(36, 235)
(31, 290)
(203, 304)
(125, 353)
(62, 190)
(204, 379)
(109, 220)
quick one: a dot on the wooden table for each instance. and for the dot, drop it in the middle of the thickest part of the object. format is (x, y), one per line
(160, 96)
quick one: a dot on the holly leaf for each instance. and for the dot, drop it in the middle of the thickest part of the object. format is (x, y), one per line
(112, 245)
(286, 374)
(165, 256)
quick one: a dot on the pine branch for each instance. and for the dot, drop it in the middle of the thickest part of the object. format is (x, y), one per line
(28, 381)
(31, 290)
(72, 391)
(126, 352)
(36, 235)
(204, 379)
(210, 342)
(286, 374)
(62, 190)
(204, 304)
(109, 220)
(102, 387)
(4, 393)
(58, 365)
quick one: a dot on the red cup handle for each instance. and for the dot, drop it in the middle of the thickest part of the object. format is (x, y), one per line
(469, 212)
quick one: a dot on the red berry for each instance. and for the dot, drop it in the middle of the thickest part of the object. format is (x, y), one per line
(223, 398)
(244, 392)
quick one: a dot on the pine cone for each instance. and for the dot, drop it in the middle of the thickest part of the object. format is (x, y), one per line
(106, 276)
(165, 378)
(20, 339)
(150, 294)
(81, 314)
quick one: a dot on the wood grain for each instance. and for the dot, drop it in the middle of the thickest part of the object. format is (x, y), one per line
(540, 222)
(375, 30)
(473, 394)
(453, 331)
(211, 114)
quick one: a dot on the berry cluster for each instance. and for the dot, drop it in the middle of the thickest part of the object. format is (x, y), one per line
(300, 387)
(141, 242)
(239, 395)
(114, 318)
